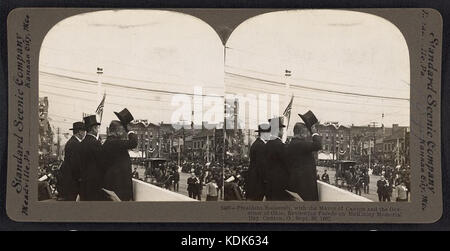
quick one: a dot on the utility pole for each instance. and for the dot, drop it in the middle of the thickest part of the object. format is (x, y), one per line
(58, 146)
(179, 151)
(235, 116)
(350, 144)
(224, 153)
(159, 140)
(249, 145)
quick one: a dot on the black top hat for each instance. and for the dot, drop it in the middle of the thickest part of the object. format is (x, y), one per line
(280, 122)
(309, 118)
(78, 126)
(264, 127)
(124, 116)
(90, 121)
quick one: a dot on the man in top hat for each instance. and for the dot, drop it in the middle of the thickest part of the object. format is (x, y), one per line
(69, 178)
(118, 173)
(91, 163)
(277, 170)
(257, 180)
(301, 161)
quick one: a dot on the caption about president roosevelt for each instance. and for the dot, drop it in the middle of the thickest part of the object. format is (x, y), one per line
(312, 213)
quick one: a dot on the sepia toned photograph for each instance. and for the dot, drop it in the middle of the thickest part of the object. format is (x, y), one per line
(298, 105)
(117, 92)
(337, 85)
(224, 115)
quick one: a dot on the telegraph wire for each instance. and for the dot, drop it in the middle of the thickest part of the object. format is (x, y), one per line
(319, 89)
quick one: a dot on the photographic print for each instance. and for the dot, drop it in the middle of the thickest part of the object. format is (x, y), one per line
(340, 83)
(128, 81)
(224, 115)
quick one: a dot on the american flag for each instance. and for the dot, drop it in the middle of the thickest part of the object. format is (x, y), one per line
(287, 111)
(99, 110)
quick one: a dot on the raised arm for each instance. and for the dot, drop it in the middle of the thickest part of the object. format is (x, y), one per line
(310, 146)
(130, 143)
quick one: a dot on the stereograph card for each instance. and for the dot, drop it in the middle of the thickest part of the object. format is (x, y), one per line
(224, 115)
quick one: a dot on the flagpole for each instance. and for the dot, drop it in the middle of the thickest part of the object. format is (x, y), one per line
(99, 87)
(99, 81)
(287, 73)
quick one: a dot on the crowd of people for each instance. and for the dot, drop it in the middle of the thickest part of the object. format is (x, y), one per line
(92, 171)
(275, 171)
(208, 178)
(394, 180)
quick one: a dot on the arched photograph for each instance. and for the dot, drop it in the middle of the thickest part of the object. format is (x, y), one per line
(321, 100)
(129, 103)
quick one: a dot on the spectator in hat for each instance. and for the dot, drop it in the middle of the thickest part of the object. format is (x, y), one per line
(231, 189)
(382, 187)
(211, 190)
(91, 172)
(257, 179)
(302, 164)
(325, 177)
(176, 180)
(366, 179)
(69, 179)
(277, 169)
(118, 175)
(401, 190)
(192, 185)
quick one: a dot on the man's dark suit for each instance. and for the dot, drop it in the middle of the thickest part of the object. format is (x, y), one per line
(118, 173)
(69, 179)
(302, 167)
(92, 172)
(277, 171)
(257, 172)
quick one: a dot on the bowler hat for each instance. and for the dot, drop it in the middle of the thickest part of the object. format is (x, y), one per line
(90, 121)
(309, 118)
(124, 116)
(274, 120)
(78, 126)
(264, 127)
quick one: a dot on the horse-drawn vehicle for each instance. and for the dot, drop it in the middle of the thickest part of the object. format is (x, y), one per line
(345, 169)
(157, 172)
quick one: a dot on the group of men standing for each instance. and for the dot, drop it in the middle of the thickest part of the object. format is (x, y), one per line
(91, 169)
(277, 167)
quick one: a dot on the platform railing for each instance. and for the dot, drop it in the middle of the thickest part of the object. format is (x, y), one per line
(143, 191)
(330, 193)
(147, 192)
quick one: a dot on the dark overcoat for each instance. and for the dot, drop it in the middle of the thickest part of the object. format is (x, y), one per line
(91, 172)
(69, 178)
(302, 167)
(257, 171)
(118, 170)
(277, 171)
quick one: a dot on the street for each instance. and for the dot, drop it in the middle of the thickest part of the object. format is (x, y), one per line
(331, 172)
(372, 186)
(182, 184)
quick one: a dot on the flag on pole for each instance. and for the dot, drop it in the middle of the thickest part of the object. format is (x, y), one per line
(287, 111)
(99, 110)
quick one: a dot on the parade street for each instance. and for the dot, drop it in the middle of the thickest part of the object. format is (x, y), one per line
(182, 184)
(372, 186)
(331, 172)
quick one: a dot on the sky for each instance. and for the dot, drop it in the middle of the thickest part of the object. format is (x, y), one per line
(142, 52)
(345, 66)
(330, 54)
